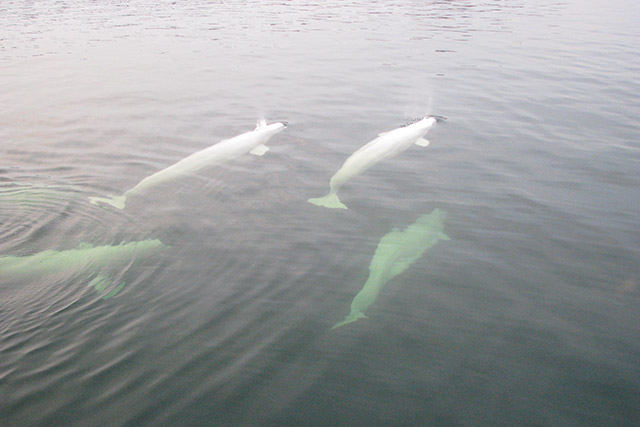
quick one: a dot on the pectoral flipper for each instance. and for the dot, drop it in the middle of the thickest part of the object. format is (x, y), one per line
(117, 202)
(101, 282)
(259, 150)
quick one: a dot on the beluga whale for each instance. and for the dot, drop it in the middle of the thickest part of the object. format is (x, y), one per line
(249, 142)
(395, 253)
(386, 145)
(95, 262)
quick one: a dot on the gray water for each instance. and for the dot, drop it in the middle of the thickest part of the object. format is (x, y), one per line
(528, 315)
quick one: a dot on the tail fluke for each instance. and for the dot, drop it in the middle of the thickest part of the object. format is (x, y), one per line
(331, 201)
(352, 317)
(117, 202)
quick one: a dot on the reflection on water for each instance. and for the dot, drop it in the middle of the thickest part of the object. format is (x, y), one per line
(34, 197)
(528, 315)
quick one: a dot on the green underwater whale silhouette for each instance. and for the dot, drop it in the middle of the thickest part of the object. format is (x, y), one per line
(84, 258)
(395, 253)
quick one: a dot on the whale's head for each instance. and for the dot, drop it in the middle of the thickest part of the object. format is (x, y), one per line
(423, 123)
(434, 220)
(427, 122)
(437, 118)
(439, 215)
(278, 125)
(271, 128)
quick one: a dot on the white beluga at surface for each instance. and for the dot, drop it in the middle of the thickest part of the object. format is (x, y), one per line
(395, 253)
(250, 142)
(386, 145)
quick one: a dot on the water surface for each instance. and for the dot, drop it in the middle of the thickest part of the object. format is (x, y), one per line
(527, 315)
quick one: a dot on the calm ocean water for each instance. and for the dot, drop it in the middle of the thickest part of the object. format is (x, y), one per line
(528, 315)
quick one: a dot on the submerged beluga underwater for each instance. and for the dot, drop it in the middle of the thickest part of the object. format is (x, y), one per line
(386, 145)
(97, 262)
(396, 251)
(249, 142)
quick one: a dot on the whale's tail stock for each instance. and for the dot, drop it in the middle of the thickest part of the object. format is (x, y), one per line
(117, 202)
(331, 201)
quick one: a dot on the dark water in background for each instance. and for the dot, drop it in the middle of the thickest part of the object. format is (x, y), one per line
(528, 315)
